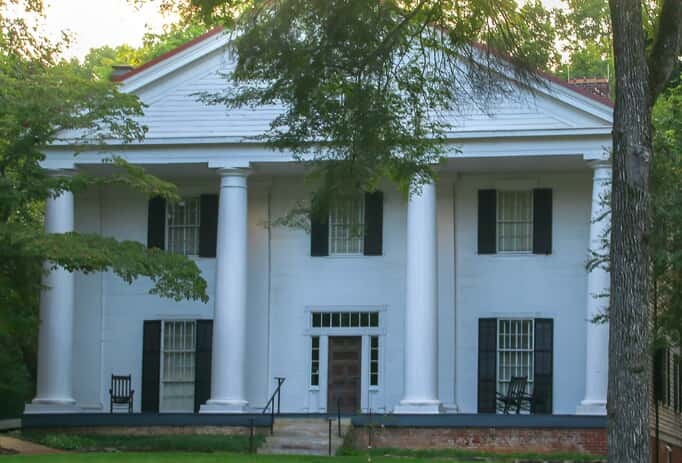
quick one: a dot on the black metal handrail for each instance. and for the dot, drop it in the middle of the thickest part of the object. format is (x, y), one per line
(271, 403)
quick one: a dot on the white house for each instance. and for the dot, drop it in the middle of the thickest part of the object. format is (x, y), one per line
(445, 297)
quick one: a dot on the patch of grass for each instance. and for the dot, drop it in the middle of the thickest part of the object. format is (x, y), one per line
(156, 443)
(435, 454)
(193, 458)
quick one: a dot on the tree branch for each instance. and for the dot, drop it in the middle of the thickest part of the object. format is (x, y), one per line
(666, 49)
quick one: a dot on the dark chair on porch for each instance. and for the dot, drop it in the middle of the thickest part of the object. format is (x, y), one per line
(516, 397)
(121, 393)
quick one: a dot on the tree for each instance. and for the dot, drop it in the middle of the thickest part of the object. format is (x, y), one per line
(42, 96)
(100, 60)
(641, 74)
(371, 79)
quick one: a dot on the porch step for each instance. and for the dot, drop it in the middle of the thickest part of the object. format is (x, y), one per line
(304, 436)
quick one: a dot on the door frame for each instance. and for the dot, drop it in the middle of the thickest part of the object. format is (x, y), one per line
(316, 397)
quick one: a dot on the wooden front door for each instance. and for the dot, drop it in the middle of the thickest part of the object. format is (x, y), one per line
(345, 365)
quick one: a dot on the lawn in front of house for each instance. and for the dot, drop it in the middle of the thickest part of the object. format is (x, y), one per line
(143, 443)
(166, 457)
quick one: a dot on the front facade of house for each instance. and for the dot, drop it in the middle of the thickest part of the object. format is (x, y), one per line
(392, 305)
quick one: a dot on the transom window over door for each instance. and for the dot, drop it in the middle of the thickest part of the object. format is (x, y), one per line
(514, 221)
(184, 219)
(515, 352)
(347, 226)
(178, 366)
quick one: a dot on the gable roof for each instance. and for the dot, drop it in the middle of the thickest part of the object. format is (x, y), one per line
(159, 60)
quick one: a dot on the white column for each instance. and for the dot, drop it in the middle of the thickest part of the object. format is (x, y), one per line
(228, 392)
(598, 283)
(54, 388)
(420, 393)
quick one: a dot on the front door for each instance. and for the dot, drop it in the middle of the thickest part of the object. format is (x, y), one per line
(343, 384)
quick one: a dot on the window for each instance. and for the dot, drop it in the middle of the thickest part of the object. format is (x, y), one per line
(374, 360)
(177, 365)
(347, 226)
(183, 226)
(315, 362)
(345, 319)
(514, 221)
(677, 387)
(515, 352)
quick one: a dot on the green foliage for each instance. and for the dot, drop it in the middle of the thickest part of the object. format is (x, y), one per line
(584, 29)
(43, 100)
(99, 61)
(366, 85)
(146, 443)
(666, 204)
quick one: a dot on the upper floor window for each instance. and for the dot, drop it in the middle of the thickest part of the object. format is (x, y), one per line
(183, 222)
(514, 221)
(347, 226)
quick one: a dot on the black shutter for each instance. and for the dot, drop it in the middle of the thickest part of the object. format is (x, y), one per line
(374, 221)
(542, 221)
(544, 365)
(208, 225)
(487, 365)
(151, 366)
(156, 223)
(319, 233)
(487, 221)
(202, 367)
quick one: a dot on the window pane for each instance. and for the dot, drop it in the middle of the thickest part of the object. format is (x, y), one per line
(315, 361)
(514, 221)
(177, 384)
(346, 226)
(183, 226)
(317, 319)
(515, 354)
(364, 319)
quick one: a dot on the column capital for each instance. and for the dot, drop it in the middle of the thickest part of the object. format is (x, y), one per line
(233, 172)
(233, 178)
(600, 164)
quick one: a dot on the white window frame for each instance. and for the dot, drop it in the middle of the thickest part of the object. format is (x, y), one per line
(349, 226)
(162, 380)
(526, 350)
(501, 221)
(185, 226)
(313, 361)
(377, 362)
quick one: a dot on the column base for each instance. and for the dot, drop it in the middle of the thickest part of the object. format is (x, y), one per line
(224, 406)
(418, 407)
(40, 406)
(591, 407)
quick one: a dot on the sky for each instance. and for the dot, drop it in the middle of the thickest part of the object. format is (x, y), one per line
(94, 23)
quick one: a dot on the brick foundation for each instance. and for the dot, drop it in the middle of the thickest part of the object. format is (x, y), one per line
(507, 440)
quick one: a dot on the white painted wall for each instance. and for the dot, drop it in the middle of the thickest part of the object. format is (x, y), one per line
(110, 313)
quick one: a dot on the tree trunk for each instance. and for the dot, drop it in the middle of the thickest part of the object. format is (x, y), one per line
(629, 354)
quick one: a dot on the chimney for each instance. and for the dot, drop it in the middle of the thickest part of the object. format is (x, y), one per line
(598, 86)
(119, 70)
